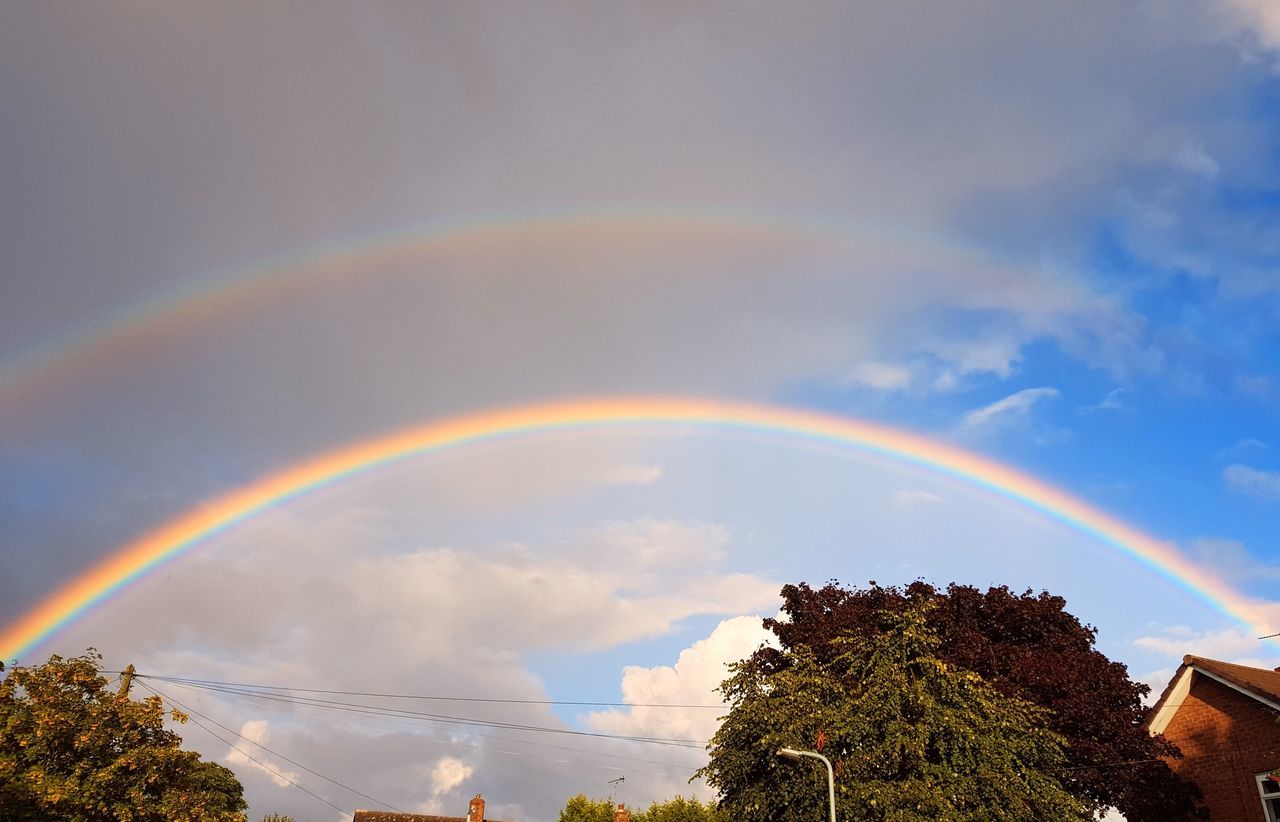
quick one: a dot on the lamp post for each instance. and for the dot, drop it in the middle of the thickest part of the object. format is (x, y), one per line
(792, 753)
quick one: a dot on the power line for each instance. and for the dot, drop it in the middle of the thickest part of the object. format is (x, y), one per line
(438, 698)
(378, 710)
(253, 758)
(273, 753)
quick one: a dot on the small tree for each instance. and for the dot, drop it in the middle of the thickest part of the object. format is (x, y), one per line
(911, 737)
(580, 808)
(680, 809)
(71, 749)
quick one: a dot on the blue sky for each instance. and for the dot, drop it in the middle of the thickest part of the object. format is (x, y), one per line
(1047, 235)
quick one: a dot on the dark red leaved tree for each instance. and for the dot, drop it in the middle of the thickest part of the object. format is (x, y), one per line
(1027, 645)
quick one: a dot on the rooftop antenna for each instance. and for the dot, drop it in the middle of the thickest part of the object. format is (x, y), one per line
(615, 783)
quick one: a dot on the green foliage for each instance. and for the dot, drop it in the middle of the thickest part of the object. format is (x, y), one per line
(71, 749)
(582, 809)
(277, 817)
(680, 809)
(1027, 646)
(910, 736)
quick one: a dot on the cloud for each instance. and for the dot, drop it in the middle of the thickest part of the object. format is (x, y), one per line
(1113, 401)
(912, 498)
(881, 376)
(448, 773)
(1258, 18)
(1014, 414)
(634, 474)
(1231, 560)
(1229, 645)
(692, 680)
(254, 734)
(1251, 481)
(1195, 160)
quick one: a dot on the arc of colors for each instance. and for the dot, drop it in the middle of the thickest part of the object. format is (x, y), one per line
(134, 560)
(175, 310)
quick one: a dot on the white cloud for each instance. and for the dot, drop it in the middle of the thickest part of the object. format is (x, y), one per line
(1010, 413)
(1113, 401)
(448, 773)
(1229, 645)
(881, 376)
(254, 733)
(634, 474)
(1194, 159)
(913, 498)
(1252, 481)
(692, 680)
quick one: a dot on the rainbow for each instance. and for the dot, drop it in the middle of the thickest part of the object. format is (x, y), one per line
(203, 299)
(134, 560)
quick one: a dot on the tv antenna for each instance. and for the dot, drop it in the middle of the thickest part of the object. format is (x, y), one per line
(615, 783)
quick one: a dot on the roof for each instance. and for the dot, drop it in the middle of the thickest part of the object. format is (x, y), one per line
(1259, 683)
(392, 816)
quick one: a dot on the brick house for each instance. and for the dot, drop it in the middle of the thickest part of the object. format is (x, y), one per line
(475, 813)
(1223, 718)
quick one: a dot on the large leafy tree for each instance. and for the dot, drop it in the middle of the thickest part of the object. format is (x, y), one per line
(1027, 646)
(911, 736)
(72, 749)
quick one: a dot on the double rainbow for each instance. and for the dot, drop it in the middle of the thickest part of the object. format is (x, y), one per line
(136, 559)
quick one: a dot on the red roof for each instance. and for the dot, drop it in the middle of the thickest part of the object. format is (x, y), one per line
(1258, 681)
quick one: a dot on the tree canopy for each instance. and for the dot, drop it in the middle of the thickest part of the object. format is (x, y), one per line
(1029, 647)
(71, 749)
(581, 808)
(911, 737)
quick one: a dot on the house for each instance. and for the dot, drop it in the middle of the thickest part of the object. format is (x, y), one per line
(1224, 719)
(475, 813)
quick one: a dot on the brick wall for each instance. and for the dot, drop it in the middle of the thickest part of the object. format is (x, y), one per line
(1226, 738)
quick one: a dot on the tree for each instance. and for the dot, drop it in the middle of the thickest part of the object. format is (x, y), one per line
(680, 809)
(582, 809)
(1027, 646)
(910, 736)
(71, 749)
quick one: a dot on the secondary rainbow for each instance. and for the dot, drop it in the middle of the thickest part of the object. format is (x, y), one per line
(127, 329)
(134, 560)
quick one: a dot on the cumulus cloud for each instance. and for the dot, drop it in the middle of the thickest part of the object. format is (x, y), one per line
(1252, 481)
(448, 773)
(249, 752)
(691, 680)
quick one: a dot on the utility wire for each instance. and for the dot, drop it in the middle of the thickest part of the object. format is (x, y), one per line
(253, 758)
(192, 681)
(354, 707)
(190, 710)
(517, 740)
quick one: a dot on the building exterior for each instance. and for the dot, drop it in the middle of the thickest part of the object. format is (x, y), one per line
(1224, 719)
(475, 813)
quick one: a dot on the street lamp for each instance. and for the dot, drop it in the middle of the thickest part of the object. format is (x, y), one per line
(792, 753)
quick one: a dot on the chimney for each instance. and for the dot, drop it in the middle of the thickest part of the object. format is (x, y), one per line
(475, 812)
(621, 814)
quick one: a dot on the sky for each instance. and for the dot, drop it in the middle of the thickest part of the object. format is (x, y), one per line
(237, 237)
